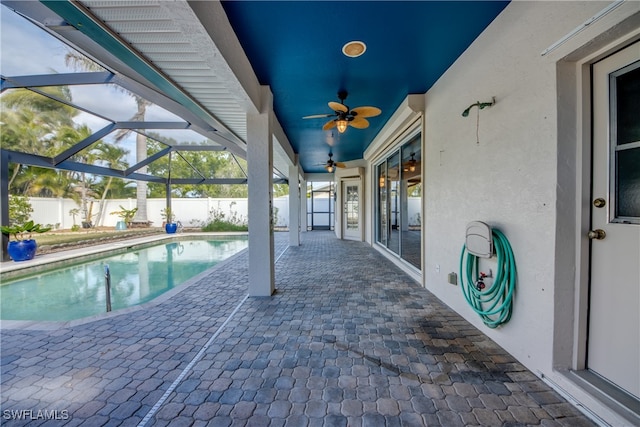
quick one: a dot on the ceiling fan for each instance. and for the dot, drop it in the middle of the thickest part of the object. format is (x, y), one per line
(345, 117)
(331, 166)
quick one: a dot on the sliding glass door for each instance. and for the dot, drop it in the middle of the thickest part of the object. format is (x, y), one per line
(399, 201)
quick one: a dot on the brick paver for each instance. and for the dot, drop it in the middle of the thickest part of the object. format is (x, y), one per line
(347, 339)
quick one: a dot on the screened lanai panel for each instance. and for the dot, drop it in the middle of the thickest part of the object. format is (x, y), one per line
(229, 166)
(37, 124)
(178, 137)
(117, 104)
(27, 50)
(118, 150)
(197, 165)
(175, 166)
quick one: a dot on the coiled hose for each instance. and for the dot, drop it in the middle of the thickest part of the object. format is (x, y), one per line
(495, 303)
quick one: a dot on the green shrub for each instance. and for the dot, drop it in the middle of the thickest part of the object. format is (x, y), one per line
(224, 226)
(20, 209)
(217, 221)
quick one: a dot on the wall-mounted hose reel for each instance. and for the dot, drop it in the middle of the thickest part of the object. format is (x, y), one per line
(493, 303)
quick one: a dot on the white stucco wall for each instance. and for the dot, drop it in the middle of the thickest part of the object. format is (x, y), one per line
(510, 178)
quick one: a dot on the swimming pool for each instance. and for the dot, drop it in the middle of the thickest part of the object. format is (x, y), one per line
(137, 276)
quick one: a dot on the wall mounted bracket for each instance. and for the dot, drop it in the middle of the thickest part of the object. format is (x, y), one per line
(481, 106)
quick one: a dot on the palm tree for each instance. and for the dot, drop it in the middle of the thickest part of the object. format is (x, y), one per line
(29, 119)
(67, 136)
(78, 61)
(40, 182)
(141, 154)
(114, 158)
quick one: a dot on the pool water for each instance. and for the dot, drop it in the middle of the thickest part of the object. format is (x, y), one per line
(137, 276)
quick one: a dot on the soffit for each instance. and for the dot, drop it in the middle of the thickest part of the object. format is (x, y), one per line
(170, 36)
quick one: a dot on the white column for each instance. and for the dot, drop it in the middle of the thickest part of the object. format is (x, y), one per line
(260, 181)
(303, 205)
(294, 206)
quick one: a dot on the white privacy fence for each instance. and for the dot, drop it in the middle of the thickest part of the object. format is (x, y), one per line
(189, 211)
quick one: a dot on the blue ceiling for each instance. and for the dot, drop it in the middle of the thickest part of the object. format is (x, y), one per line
(295, 47)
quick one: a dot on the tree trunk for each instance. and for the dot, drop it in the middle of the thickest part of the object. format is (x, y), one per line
(141, 188)
(15, 173)
(100, 214)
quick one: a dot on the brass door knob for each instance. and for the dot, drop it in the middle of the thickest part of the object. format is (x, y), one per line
(599, 202)
(598, 234)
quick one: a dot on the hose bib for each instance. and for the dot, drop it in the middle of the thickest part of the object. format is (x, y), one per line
(494, 304)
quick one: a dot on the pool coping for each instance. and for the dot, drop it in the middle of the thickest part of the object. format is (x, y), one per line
(108, 247)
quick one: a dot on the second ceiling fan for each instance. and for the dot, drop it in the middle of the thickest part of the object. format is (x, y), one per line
(331, 165)
(345, 117)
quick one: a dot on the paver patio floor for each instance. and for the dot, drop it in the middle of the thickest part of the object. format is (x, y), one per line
(347, 340)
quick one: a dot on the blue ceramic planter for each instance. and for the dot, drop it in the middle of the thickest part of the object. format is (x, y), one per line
(22, 250)
(171, 227)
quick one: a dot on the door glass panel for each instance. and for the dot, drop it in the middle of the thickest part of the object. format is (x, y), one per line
(395, 221)
(625, 143)
(628, 185)
(352, 207)
(628, 106)
(411, 196)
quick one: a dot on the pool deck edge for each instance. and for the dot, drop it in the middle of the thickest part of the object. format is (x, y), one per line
(44, 259)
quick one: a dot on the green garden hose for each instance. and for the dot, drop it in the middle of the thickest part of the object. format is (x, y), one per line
(495, 303)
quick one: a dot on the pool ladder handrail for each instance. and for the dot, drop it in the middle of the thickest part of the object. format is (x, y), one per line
(107, 286)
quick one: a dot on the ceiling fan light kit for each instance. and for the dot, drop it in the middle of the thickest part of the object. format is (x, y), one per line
(331, 165)
(345, 117)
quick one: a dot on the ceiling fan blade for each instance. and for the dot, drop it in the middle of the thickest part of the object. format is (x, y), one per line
(340, 165)
(366, 111)
(318, 116)
(336, 106)
(359, 123)
(330, 124)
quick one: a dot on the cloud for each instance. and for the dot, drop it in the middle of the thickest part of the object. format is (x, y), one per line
(26, 49)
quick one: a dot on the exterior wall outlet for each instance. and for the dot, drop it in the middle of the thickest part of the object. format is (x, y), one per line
(452, 278)
(437, 268)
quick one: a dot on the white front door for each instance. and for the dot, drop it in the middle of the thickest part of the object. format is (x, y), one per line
(351, 221)
(613, 348)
